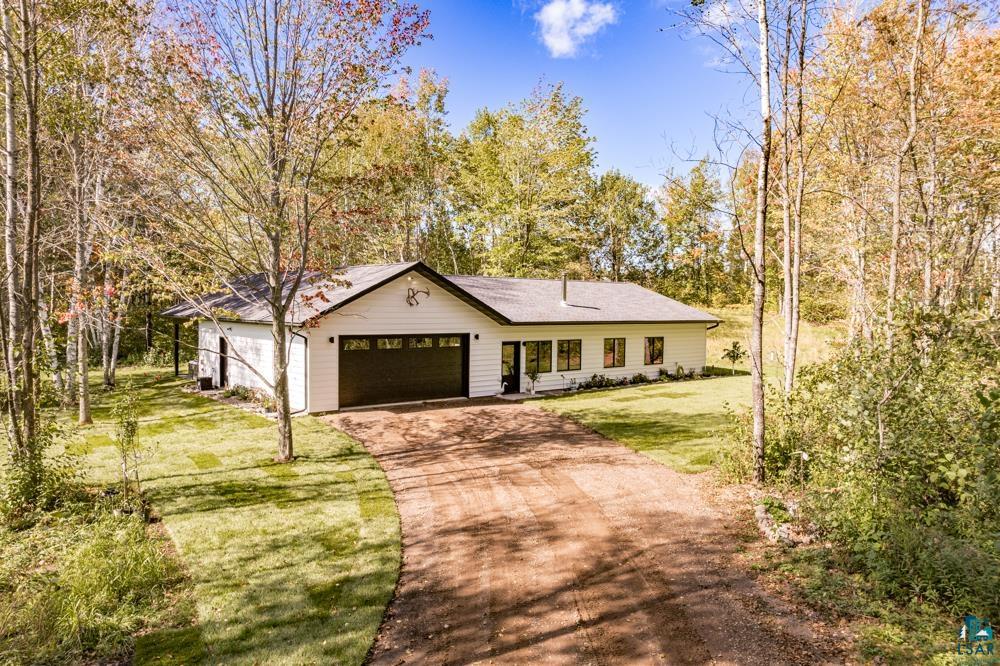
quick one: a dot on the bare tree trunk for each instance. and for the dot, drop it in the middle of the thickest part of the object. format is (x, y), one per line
(29, 267)
(786, 205)
(13, 273)
(50, 346)
(760, 235)
(83, 391)
(795, 275)
(897, 178)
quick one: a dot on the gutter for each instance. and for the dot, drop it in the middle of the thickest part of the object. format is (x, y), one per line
(715, 325)
(305, 369)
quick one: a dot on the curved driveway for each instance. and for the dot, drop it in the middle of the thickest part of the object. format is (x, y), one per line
(529, 539)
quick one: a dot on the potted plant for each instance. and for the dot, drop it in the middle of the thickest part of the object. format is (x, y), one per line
(533, 378)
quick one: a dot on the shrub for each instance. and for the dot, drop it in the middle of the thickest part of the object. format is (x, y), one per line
(903, 460)
(597, 381)
(37, 482)
(639, 378)
(239, 391)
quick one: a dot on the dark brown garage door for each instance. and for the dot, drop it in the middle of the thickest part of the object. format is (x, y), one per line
(377, 369)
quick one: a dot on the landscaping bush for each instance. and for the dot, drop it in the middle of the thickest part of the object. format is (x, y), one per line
(903, 458)
(239, 391)
(639, 378)
(597, 381)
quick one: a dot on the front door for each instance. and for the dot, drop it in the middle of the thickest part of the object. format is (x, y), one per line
(223, 363)
(510, 367)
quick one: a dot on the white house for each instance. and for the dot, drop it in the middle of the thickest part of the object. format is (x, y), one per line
(402, 332)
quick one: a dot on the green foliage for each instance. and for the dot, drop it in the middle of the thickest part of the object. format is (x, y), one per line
(597, 381)
(36, 482)
(902, 458)
(79, 585)
(130, 451)
(238, 391)
(734, 354)
(639, 378)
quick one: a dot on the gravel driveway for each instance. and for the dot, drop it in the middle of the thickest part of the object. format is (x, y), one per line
(528, 539)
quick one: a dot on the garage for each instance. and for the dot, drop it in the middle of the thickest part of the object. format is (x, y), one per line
(381, 369)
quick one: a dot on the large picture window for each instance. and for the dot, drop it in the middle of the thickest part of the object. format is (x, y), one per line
(538, 356)
(614, 352)
(654, 351)
(568, 355)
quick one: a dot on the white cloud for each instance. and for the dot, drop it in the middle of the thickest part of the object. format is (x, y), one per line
(566, 24)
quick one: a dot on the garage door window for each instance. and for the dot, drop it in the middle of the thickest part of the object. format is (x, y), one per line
(420, 343)
(389, 343)
(538, 356)
(450, 341)
(356, 344)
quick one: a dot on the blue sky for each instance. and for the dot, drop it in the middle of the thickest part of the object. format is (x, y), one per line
(650, 93)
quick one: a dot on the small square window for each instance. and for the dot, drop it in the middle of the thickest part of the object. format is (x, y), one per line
(356, 344)
(420, 343)
(389, 343)
(654, 351)
(614, 352)
(450, 341)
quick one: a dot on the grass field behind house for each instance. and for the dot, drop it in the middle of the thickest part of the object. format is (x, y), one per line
(289, 563)
(681, 424)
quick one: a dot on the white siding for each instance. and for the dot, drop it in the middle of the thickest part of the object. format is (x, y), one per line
(251, 344)
(385, 311)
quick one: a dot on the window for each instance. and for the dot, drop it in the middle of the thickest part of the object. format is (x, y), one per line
(654, 351)
(450, 341)
(538, 356)
(420, 343)
(356, 344)
(568, 355)
(389, 343)
(614, 352)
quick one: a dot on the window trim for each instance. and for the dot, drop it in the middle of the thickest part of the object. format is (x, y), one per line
(538, 355)
(569, 354)
(614, 352)
(646, 357)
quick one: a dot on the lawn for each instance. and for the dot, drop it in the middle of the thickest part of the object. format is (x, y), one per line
(677, 424)
(288, 563)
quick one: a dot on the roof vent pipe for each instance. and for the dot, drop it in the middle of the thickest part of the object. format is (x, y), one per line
(565, 288)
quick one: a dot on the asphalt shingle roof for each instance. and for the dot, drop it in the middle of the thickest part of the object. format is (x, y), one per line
(508, 300)
(525, 301)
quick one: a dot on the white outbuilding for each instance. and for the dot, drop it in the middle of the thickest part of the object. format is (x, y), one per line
(393, 333)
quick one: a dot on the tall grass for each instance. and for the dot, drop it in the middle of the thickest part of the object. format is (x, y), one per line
(78, 587)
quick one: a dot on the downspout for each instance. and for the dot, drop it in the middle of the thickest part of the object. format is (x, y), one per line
(715, 325)
(305, 368)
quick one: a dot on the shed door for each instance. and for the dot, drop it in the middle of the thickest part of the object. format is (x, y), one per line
(379, 369)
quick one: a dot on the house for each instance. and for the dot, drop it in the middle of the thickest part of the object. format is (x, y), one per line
(402, 332)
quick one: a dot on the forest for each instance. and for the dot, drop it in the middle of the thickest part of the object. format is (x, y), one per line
(155, 152)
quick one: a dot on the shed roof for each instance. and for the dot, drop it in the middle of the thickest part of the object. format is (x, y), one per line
(510, 301)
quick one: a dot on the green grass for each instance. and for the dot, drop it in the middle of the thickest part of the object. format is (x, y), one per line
(288, 563)
(674, 423)
(815, 340)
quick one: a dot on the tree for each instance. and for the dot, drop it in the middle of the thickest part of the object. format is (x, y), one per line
(523, 174)
(251, 101)
(623, 236)
(734, 354)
